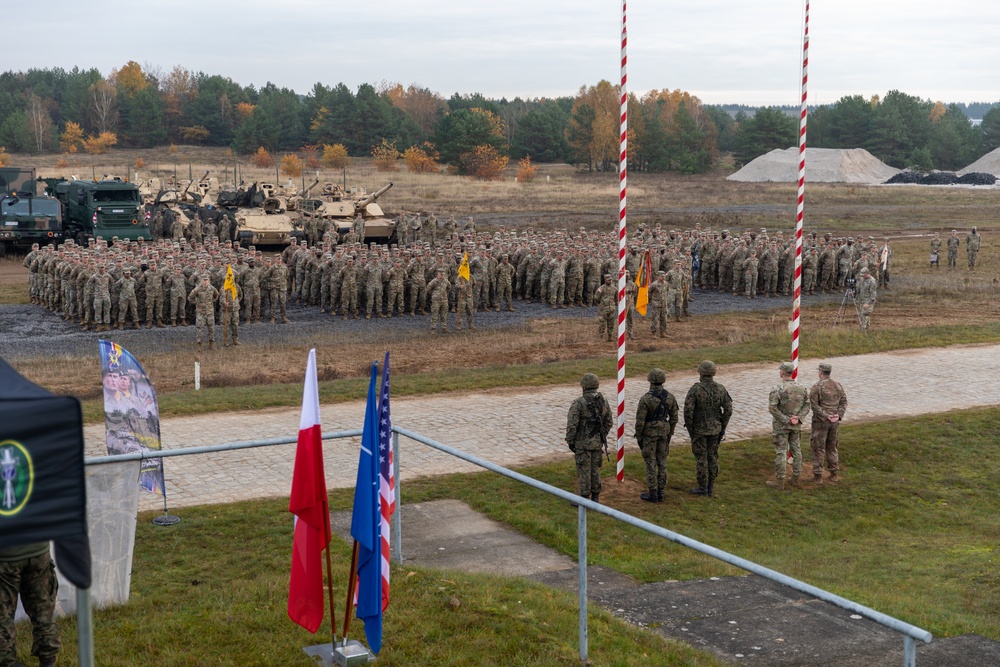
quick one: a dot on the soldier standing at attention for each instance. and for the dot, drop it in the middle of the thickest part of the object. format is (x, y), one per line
(27, 570)
(867, 295)
(788, 404)
(587, 427)
(438, 290)
(972, 243)
(655, 420)
(231, 315)
(606, 297)
(936, 252)
(204, 296)
(829, 403)
(707, 410)
(953, 243)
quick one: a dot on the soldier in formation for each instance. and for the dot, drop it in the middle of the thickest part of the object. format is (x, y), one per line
(655, 421)
(707, 410)
(587, 426)
(972, 242)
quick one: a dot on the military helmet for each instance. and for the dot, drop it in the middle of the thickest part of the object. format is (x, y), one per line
(656, 376)
(706, 368)
(590, 381)
(786, 367)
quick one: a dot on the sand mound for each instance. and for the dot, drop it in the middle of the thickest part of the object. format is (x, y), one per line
(989, 163)
(823, 165)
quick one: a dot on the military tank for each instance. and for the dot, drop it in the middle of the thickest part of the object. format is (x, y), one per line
(342, 209)
(261, 216)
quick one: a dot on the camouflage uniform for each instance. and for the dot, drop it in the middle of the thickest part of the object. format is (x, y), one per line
(348, 281)
(936, 252)
(250, 282)
(750, 265)
(606, 296)
(787, 400)
(587, 426)
(867, 294)
(27, 571)
(204, 297)
(658, 293)
(438, 290)
(395, 294)
(655, 420)
(126, 300)
(100, 283)
(152, 280)
(373, 290)
(178, 297)
(504, 279)
(418, 286)
(972, 244)
(829, 403)
(230, 315)
(953, 244)
(466, 289)
(707, 410)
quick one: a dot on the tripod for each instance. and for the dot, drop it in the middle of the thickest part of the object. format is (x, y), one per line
(843, 312)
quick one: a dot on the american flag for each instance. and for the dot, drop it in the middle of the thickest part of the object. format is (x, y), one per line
(387, 477)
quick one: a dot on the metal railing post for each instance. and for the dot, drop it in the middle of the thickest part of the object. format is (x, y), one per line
(581, 557)
(909, 651)
(84, 628)
(397, 520)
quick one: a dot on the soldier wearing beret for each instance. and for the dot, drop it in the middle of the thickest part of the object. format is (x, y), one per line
(788, 404)
(829, 403)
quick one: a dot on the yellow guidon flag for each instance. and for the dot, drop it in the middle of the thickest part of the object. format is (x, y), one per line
(463, 268)
(230, 284)
(642, 282)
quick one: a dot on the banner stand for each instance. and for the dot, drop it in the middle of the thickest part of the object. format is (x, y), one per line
(344, 655)
(166, 519)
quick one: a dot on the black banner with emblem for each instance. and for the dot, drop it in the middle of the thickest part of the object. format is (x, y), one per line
(43, 492)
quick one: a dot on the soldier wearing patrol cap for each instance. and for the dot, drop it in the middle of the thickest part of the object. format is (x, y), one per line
(829, 403)
(655, 421)
(707, 410)
(788, 404)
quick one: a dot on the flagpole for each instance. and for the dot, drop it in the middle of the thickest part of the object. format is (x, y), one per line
(800, 202)
(351, 580)
(622, 303)
(329, 574)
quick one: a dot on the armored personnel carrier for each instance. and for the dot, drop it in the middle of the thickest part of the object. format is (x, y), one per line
(261, 216)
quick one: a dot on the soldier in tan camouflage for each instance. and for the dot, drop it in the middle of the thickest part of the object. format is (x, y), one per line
(438, 290)
(829, 403)
(788, 404)
(204, 297)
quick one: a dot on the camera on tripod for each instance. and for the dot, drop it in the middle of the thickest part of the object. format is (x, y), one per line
(850, 282)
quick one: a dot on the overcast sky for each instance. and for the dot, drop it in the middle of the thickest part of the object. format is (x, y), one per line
(741, 51)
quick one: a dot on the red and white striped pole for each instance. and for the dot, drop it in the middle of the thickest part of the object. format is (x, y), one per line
(622, 173)
(800, 206)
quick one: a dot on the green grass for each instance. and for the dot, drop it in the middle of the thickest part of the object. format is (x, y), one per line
(213, 591)
(912, 532)
(826, 342)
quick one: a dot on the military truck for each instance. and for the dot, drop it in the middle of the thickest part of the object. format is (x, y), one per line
(102, 209)
(343, 209)
(26, 217)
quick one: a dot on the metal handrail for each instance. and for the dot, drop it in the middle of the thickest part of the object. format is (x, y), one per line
(910, 632)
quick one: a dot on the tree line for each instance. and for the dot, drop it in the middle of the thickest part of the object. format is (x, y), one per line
(44, 110)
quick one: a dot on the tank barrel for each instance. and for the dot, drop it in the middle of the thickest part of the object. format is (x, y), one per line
(368, 199)
(305, 193)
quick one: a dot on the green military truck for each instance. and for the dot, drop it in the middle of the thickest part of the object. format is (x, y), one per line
(26, 217)
(102, 209)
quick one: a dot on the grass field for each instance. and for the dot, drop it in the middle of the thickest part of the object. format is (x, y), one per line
(910, 532)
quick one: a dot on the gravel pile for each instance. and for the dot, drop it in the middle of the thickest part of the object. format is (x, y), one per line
(823, 165)
(989, 163)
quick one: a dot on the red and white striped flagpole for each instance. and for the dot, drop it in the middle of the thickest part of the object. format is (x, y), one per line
(622, 173)
(800, 207)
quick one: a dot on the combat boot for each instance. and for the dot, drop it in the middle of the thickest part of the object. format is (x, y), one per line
(699, 490)
(818, 479)
(650, 497)
(659, 496)
(596, 497)
(778, 484)
(121, 326)
(200, 348)
(284, 320)
(85, 326)
(159, 324)
(236, 342)
(211, 345)
(149, 324)
(184, 322)
(834, 476)
(173, 323)
(793, 482)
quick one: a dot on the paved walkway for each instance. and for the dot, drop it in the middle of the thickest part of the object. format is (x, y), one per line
(513, 427)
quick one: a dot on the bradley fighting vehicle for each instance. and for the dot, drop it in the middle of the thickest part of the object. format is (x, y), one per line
(180, 207)
(25, 216)
(260, 215)
(342, 209)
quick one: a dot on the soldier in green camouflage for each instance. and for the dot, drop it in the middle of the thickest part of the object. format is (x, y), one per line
(707, 410)
(936, 252)
(126, 299)
(867, 296)
(27, 571)
(178, 297)
(788, 404)
(587, 426)
(231, 315)
(466, 295)
(504, 279)
(606, 297)
(101, 285)
(655, 421)
(972, 244)
(204, 296)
